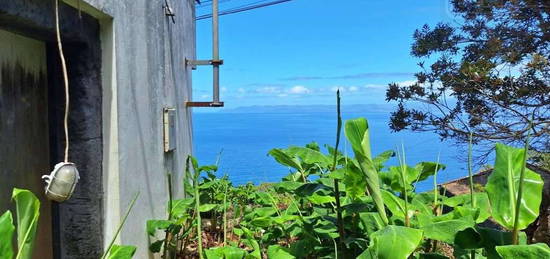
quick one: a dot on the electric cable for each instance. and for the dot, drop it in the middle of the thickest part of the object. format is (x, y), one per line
(208, 3)
(243, 8)
(65, 81)
(61, 182)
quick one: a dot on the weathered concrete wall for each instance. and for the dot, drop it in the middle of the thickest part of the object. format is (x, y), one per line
(116, 115)
(150, 74)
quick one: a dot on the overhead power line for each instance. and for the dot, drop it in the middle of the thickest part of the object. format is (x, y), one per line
(243, 8)
(208, 3)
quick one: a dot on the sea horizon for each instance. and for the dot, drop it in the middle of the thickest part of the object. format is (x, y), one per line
(245, 136)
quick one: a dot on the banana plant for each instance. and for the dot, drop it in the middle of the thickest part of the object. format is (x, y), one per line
(334, 206)
(357, 133)
(503, 189)
(393, 242)
(28, 213)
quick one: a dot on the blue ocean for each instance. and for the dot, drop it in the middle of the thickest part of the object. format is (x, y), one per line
(244, 139)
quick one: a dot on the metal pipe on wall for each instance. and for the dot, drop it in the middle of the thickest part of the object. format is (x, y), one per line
(215, 53)
(215, 62)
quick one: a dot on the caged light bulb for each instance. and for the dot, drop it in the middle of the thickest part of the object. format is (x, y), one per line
(60, 183)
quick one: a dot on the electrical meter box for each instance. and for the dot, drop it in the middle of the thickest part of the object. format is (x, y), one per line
(169, 129)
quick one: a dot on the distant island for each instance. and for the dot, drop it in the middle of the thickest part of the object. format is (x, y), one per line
(381, 108)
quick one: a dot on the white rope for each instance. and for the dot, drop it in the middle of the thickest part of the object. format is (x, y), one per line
(65, 81)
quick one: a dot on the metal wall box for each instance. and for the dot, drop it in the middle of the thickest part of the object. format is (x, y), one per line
(169, 129)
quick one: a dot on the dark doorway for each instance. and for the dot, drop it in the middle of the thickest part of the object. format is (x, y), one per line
(24, 143)
(77, 224)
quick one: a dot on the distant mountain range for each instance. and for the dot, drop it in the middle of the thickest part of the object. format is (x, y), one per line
(382, 108)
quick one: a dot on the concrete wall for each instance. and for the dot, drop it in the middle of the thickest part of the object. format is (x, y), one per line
(143, 71)
(126, 63)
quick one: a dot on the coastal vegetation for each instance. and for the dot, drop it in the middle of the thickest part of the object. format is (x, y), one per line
(338, 205)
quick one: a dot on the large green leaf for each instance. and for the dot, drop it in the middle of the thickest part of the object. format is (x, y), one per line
(122, 252)
(394, 242)
(321, 199)
(180, 207)
(432, 256)
(285, 159)
(502, 187)
(309, 189)
(285, 218)
(310, 156)
(28, 212)
(337, 174)
(261, 222)
(468, 239)
(428, 168)
(227, 252)
(207, 207)
(355, 185)
(459, 253)
(491, 238)
(287, 186)
(423, 203)
(153, 225)
(371, 222)
(535, 251)
(482, 203)
(279, 252)
(6, 235)
(411, 176)
(397, 205)
(446, 230)
(251, 242)
(357, 134)
(382, 158)
(486, 238)
(368, 254)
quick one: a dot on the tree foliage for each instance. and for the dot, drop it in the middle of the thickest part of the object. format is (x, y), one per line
(489, 75)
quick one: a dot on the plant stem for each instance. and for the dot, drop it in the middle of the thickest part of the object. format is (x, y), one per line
(196, 175)
(440, 211)
(470, 175)
(436, 191)
(403, 182)
(339, 220)
(471, 182)
(119, 228)
(166, 237)
(515, 231)
(225, 217)
(197, 208)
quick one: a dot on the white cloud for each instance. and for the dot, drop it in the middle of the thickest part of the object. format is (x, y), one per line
(205, 96)
(269, 90)
(344, 89)
(375, 87)
(241, 90)
(224, 89)
(299, 89)
(407, 82)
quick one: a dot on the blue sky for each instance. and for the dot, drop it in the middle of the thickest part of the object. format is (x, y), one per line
(298, 53)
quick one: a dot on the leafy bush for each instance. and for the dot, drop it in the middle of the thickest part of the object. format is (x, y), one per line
(332, 205)
(28, 213)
